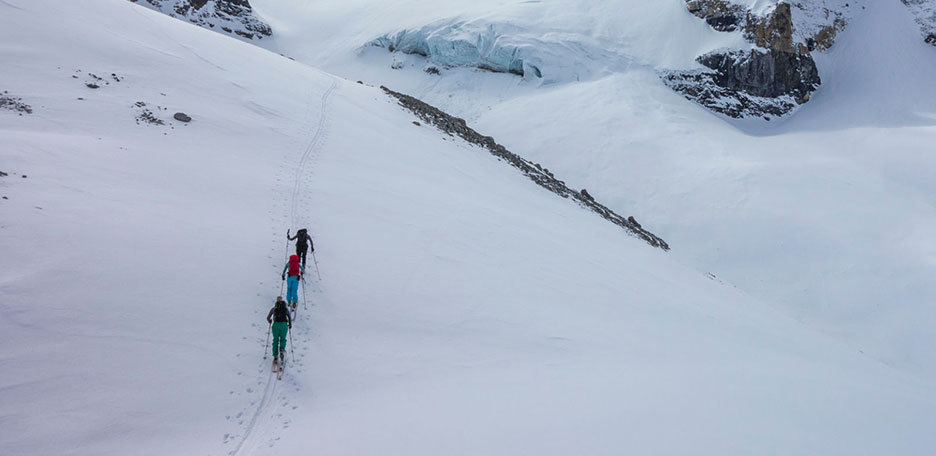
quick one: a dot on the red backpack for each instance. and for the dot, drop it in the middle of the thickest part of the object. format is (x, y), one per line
(294, 265)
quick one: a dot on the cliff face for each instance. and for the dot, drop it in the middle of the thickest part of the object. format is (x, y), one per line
(233, 17)
(775, 77)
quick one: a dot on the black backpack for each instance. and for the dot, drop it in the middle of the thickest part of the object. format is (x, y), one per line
(280, 312)
(301, 237)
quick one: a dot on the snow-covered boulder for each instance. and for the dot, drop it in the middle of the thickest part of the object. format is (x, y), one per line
(234, 17)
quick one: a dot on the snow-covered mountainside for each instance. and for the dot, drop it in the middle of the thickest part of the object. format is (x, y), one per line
(925, 13)
(452, 306)
(234, 17)
(823, 214)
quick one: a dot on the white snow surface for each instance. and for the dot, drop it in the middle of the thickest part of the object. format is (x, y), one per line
(461, 308)
(826, 215)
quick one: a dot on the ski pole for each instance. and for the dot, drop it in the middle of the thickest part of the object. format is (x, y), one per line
(303, 295)
(269, 330)
(292, 353)
(316, 266)
(285, 260)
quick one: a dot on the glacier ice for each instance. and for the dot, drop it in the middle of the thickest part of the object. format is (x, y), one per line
(544, 58)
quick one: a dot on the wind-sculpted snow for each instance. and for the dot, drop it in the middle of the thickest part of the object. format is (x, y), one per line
(503, 48)
(925, 13)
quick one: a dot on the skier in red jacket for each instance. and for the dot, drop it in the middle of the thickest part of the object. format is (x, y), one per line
(295, 271)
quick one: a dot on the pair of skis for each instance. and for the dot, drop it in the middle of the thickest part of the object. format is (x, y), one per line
(278, 367)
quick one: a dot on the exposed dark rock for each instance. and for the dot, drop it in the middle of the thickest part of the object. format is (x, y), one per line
(758, 83)
(92, 85)
(764, 74)
(3, 174)
(925, 13)
(721, 15)
(181, 117)
(15, 104)
(749, 84)
(457, 127)
(147, 116)
(233, 16)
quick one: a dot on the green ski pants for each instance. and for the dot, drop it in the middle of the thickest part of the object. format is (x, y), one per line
(280, 329)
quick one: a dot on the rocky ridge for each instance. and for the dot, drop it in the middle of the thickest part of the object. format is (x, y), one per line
(925, 13)
(779, 73)
(541, 176)
(234, 17)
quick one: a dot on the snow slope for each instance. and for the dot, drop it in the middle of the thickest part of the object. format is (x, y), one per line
(827, 216)
(462, 309)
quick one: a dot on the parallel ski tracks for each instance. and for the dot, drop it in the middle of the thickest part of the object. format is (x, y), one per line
(244, 446)
(314, 144)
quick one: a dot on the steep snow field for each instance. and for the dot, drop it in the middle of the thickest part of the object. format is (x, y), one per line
(462, 309)
(828, 215)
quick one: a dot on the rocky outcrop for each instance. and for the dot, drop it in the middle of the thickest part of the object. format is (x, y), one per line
(541, 176)
(234, 17)
(775, 77)
(754, 83)
(769, 74)
(925, 13)
(819, 23)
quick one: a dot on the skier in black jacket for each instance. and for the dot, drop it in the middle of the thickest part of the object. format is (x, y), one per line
(301, 238)
(282, 323)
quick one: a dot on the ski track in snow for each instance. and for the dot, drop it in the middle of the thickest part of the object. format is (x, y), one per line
(5, 2)
(261, 422)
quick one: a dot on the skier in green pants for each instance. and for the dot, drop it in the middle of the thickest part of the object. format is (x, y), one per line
(282, 323)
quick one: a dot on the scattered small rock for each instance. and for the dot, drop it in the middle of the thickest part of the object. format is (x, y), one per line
(92, 85)
(23, 176)
(182, 117)
(147, 116)
(416, 123)
(432, 70)
(361, 82)
(14, 104)
(3, 174)
(5, 198)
